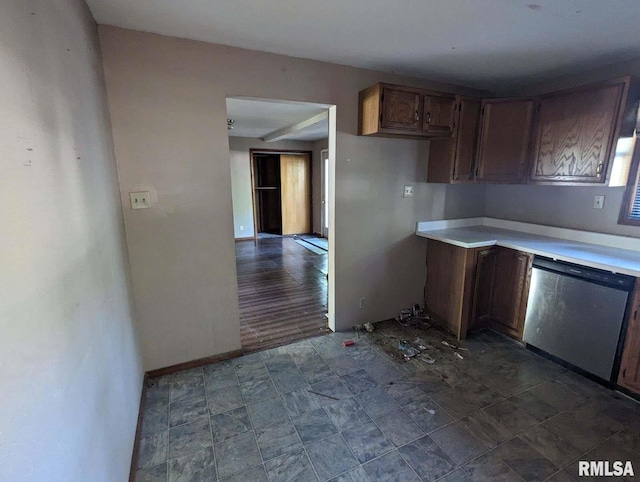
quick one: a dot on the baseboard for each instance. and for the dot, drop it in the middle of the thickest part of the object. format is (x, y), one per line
(248, 238)
(136, 443)
(193, 363)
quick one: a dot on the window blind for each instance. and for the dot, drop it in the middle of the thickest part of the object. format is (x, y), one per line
(635, 204)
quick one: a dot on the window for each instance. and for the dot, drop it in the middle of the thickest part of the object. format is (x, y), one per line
(630, 211)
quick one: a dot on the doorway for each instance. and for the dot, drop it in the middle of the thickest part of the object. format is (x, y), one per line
(281, 187)
(281, 192)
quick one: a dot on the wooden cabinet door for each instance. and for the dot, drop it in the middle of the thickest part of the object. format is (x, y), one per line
(453, 160)
(510, 291)
(483, 292)
(295, 189)
(629, 376)
(400, 109)
(575, 135)
(438, 114)
(504, 140)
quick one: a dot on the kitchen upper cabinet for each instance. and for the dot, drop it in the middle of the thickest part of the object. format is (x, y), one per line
(629, 375)
(505, 135)
(397, 111)
(400, 110)
(453, 160)
(438, 114)
(511, 276)
(576, 133)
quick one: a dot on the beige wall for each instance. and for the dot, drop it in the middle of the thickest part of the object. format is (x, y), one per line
(70, 369)
(167, 103)
(241, 177)
(570, 206)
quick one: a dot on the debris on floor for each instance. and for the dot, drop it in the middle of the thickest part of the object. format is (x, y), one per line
(368, 327)
(323, 395)
(415, 316)
(347, 343)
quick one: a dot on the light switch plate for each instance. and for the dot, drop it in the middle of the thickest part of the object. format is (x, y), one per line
(408, 191)
(598, 202)
(140, 200)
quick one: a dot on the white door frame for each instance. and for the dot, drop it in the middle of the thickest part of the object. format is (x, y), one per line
(324, 189)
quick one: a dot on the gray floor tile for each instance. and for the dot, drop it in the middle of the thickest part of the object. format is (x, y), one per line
(217, 379)
(377, 402)
(256, 390)
(277, 440)
(556, 395)
(279, 362)
(489, 468)
(510, 415)
(562, 476)
(237, 454)
(390, 468)
(292, 467)
(458, 443)
(427, 459)
(382, 372)
(289, 380)
(454, 402)
(300, 401)
(229, 424)
(313, 426)
(532, 404)
(153, 450)
(399, 428)
(190, 437)
(347, 413)
(155, 418)
(479, 394)
(224, 399)
(255, 474)
(187, 387)
(157, 473)
(367, 442)
(457, 475)
(356, 475)
(486, 428)
(333, 388)
(157, 390)
(331, 457)
(267, 412)
(551, 446)
(250, 358)
(525, 460)
(316, 371)
(405, 393)
(428, 415)
(195, 467)
(358, 381)
(247, 372)
(342, 364)
(189, 410)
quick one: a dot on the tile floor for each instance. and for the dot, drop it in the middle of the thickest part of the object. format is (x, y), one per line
(314, 410)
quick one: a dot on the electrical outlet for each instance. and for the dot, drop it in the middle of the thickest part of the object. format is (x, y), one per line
(241, 227)
(140, 200)
(408, 191)
(598, 202)
(363, 302)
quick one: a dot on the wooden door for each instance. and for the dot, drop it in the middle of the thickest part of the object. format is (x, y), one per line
(295, 189)
(574, 136)
(510, 291)
(629, 376)
(438, 114)
(483, 292)
(504, 140)
(400, 109)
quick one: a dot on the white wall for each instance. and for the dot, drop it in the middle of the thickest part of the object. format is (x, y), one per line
(241, 177)
(167, 104)
(70, 369)
(316, 194)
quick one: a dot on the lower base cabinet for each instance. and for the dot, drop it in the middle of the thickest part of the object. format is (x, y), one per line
(468, 289)
(629, 375)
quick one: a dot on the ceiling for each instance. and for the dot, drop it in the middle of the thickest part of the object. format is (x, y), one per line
(480, 43)
(286, 120)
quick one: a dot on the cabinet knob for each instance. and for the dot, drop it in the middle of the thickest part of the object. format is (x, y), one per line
(417, 116)
(428, 118)
(599, 168)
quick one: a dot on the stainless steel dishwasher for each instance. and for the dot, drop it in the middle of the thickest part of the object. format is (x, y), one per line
(576, 314)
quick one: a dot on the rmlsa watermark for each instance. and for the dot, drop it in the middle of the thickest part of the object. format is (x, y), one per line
(604, 468)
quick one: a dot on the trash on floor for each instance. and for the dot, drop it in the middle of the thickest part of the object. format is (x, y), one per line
(368, 327)
(431, 411)
(323, 395)
(451, 345)
(415, 316)
(347, 343)
(458, 355)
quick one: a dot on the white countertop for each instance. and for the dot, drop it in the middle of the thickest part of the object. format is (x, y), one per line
(618, 254)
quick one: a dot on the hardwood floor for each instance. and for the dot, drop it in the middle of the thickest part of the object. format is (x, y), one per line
(282, 289)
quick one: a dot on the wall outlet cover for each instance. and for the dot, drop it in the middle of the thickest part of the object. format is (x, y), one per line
(598, 202)
(408, 191)
(140, 200)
